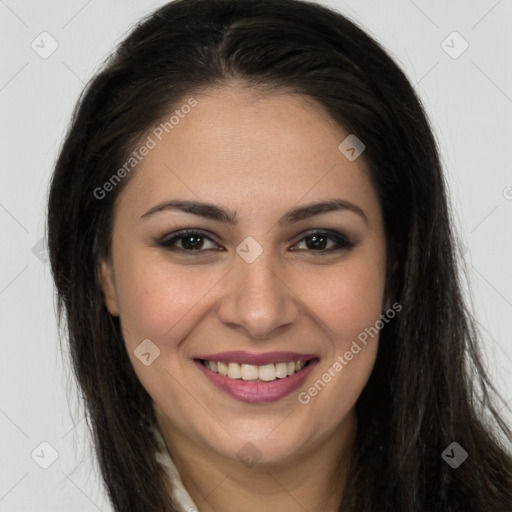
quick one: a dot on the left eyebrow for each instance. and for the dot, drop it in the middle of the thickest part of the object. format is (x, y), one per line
(310, 210)
(220, 214)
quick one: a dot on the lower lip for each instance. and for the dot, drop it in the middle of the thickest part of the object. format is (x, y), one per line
(258, 392)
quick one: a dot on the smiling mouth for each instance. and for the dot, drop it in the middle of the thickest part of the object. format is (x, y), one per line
(256, 373)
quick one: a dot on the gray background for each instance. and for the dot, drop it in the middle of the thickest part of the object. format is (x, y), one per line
(469, 99)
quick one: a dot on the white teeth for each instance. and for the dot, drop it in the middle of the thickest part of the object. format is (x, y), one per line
(234, 371)
(249, 372)
(281, 371)
(222, 368)
(267, 372)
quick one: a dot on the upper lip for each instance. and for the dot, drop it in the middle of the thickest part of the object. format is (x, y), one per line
(253, 358)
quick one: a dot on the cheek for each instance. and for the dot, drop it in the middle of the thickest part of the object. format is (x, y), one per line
(158, 300)
(349, 305)
(348, 299)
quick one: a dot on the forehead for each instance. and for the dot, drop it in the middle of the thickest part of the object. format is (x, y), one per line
(247, 150)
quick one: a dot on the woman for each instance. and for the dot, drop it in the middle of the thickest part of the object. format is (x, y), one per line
(250, 238)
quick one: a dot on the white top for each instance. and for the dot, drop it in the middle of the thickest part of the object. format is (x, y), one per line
(179, 493)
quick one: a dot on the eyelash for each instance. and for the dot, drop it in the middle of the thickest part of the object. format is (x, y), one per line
(343, 243)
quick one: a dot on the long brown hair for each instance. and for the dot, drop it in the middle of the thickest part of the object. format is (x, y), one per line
(428, 388)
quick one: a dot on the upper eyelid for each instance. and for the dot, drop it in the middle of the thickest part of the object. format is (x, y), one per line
(176, 236)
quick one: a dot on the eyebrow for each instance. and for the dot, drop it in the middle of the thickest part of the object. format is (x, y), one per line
(220, 214)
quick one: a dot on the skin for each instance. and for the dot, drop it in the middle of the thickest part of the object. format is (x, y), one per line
(258, 154)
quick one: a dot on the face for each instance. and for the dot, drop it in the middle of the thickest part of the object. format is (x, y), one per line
(253, 290)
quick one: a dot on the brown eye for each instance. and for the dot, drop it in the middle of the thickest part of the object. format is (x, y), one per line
(193, 241)
(190, 240)
(318, 241)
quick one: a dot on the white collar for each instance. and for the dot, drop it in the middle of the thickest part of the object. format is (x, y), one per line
(179, 493)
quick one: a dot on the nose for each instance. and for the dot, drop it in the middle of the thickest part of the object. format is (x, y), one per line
(258, 298)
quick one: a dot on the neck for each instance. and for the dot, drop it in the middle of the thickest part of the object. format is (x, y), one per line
(313, 481)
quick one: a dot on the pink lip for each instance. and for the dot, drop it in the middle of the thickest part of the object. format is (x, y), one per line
(243, 357)
(258, 392)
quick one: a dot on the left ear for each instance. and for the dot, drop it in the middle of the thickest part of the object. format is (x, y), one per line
(108, 287)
